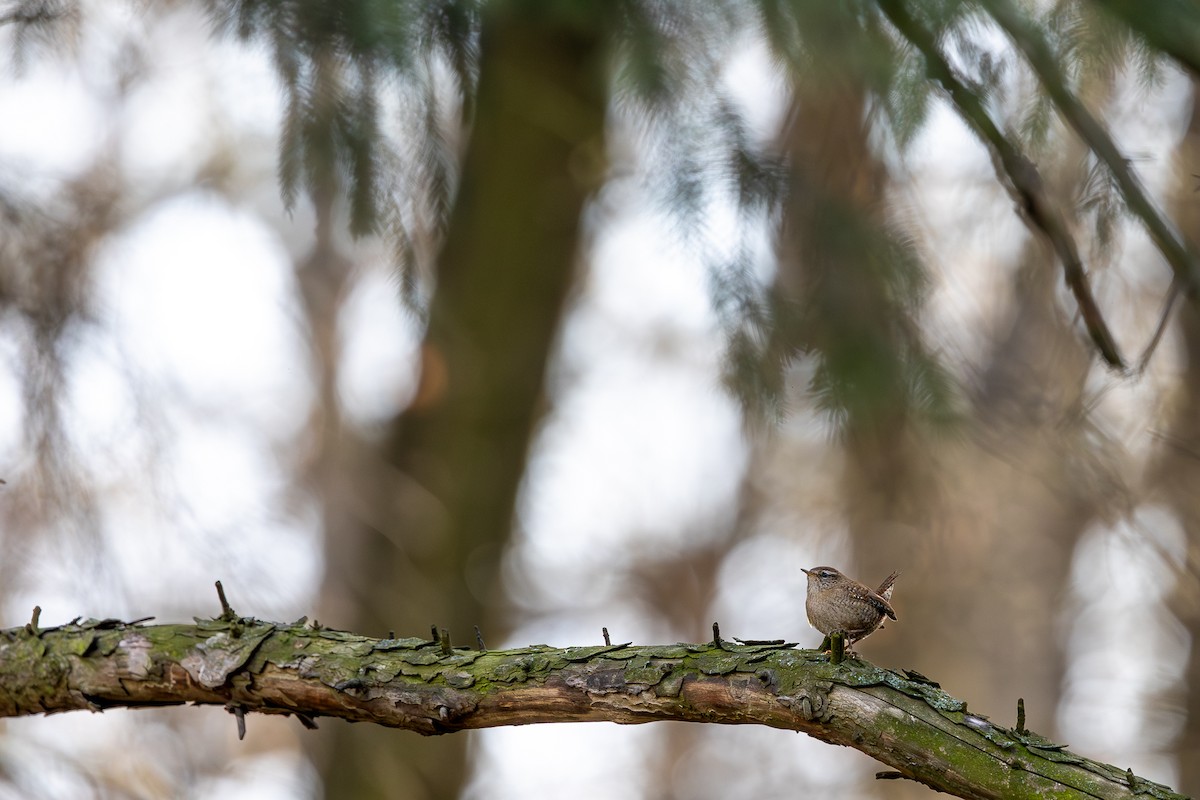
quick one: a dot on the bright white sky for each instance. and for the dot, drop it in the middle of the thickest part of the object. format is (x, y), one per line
(603, 476)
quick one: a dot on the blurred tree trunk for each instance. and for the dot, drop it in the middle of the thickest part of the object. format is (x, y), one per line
(1029, 464)
(1030, 459)
(884, 478)
(839, 191)
(1176, 475)
(437, 510)
(1029, 467)
(1034, 475)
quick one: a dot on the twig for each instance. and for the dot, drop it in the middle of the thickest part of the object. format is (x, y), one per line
(239, 713)
(227, 612)
(31, 627)
(1172, 295)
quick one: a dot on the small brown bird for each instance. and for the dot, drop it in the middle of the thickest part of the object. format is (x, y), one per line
(838, 603)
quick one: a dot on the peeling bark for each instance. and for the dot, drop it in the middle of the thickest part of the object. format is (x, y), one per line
(902, 719)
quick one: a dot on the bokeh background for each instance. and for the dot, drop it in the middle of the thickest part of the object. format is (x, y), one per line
(548, 316)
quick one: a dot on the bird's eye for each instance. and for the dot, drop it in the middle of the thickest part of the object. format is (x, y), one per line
(826, 573)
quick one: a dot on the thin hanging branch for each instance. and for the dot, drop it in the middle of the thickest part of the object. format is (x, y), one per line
(1016, 172)
(1163, 317)
(1177, 250)
(247, 665)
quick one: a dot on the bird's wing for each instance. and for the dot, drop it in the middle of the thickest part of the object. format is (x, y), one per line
(881, 603)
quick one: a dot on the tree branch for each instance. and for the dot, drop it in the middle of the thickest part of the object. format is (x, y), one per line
(903, 720)
(1017, 174)
(1178, 252)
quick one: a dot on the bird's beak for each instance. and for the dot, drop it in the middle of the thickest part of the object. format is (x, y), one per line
(806, 572)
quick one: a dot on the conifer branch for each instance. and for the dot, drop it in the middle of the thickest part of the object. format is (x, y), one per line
(1017, 174)
(1180, 254)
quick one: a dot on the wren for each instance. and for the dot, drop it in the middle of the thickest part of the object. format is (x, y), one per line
(838, 603)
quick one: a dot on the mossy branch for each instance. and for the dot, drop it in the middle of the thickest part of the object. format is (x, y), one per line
(247, 665)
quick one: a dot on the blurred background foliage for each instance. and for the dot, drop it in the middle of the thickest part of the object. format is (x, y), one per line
(542, 315)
